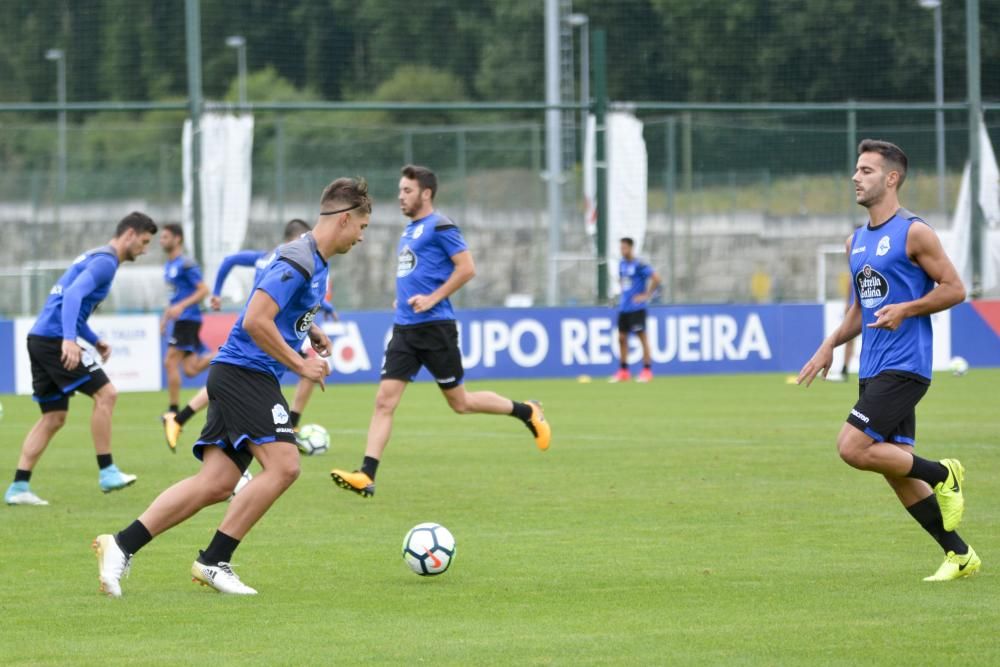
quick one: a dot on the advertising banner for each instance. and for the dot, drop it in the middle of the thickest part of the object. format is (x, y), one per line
(544, 342)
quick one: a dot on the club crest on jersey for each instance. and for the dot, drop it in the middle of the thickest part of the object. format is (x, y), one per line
(279, 414)
(406, 262)
(883, 246)
(305, 321)
(872, 286)
(417, 231)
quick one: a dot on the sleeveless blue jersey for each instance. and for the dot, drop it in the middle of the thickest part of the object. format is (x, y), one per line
(424, 264)
(76, 294)
(183, 275)
(296, 280)
(883, 274)
(633, 275)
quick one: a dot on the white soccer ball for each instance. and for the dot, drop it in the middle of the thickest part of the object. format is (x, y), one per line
(958, 366)
(313, 440)
(244, 479)
(428, 549)
(1, 410)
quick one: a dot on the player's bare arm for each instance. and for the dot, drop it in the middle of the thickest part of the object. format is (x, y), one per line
(654, 282)
(923, 247)
(465, 270)
(849, 328)
(104, 349)
(319, 340)
(259, 323)
(174, 311)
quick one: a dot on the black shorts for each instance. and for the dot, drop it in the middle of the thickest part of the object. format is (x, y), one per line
(633, 322)
(886, 407)
(433, 345)
(185, 336)
(51, 383)
(243, 405)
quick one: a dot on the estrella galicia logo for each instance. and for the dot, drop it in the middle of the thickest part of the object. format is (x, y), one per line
(406, 262)
(872, 286)
(883, 246)
(305, 321)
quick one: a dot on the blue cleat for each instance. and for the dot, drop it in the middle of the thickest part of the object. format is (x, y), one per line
(113, 479)
(19, 493)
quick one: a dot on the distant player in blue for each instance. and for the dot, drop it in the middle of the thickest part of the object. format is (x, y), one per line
(432, 263)
(173, 423)
(247, 413)
(60, 367)
(901, 277)
(638, 282)
(182, 318)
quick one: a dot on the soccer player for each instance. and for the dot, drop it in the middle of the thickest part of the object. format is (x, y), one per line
(247, 413)
(60, 367)
(173, 423)
(895, 261)
(638, 283)
(184, 347)
(433, 262)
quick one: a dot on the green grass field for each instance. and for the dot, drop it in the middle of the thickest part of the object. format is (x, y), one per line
(696, 520)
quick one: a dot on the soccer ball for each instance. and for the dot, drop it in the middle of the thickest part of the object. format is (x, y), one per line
(313, 440)
(1, 410)
(958, 366)
(428, 549)
(244, 479)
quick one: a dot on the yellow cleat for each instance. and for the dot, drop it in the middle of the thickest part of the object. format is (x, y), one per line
(949, 494)
(171, 430)
(956, 566)
(538, 426)
(356, 481)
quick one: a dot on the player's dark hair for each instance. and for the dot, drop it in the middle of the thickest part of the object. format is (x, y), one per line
(629, 240)
(295, 228)
(347, 193)
(890, 152)
(175, 229)
(140, 222)
(423, 176)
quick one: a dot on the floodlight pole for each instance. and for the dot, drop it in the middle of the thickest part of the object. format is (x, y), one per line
(935, 6)
(600, 160)
(239, 43)
(192, 13)
(582, 21)
(553, 148)
(973, 75)
(59, 57)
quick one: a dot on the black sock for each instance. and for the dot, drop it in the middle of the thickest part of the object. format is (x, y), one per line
(522, 411)
(103, 461)
(173, 408)
(184, 415)
(220, 549)
(927, 512)
(295, 417)
(133, 538)
(931, 472)
(369, 467)
(647, 366)
(623, 365)
(22, 475)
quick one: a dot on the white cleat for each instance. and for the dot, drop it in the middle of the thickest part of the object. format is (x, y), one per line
(220, 577)
(112, 564)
